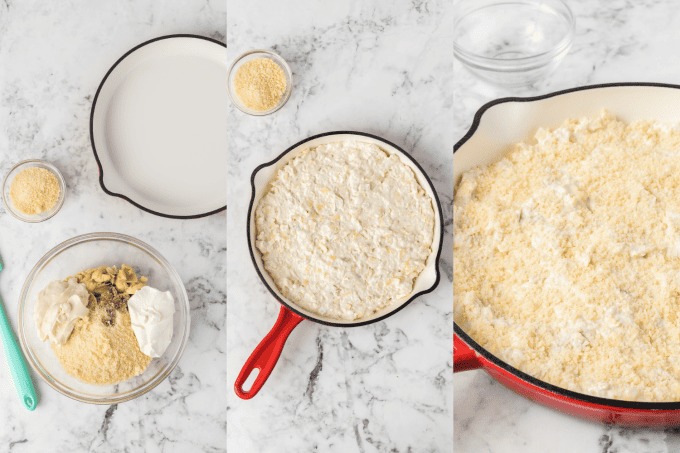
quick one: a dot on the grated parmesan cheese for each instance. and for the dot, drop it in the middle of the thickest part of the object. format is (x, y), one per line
(259, 84)
(34, 190)
(567, 258)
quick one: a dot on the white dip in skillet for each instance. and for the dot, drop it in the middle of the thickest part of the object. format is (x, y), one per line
(345, 229)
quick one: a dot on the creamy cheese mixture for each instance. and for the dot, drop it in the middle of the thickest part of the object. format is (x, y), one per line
(345, 229)
(567, 258)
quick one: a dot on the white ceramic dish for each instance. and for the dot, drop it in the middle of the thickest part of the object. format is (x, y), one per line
(158, 127)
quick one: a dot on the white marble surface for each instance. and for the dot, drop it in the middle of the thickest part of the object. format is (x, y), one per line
(52, 58)
(382, 67)
(616, 41)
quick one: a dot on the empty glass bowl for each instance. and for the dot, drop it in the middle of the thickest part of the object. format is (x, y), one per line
(514, 43)
(85, 252)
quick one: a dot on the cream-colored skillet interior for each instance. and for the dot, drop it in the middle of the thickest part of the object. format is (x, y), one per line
(424, 281)
(511, 122)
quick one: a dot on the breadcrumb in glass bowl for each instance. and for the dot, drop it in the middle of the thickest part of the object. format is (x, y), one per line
(14, 172)
(252, 55)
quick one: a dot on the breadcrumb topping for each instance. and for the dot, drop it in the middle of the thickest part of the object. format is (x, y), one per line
(567, 257)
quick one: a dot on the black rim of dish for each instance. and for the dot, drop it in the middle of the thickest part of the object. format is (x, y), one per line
(618, 404)
(94, 148)
(292, 307)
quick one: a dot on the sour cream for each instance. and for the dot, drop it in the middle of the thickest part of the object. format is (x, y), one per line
(151, 313)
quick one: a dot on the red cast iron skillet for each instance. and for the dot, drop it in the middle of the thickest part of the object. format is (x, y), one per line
(503, 122)
(267, 353)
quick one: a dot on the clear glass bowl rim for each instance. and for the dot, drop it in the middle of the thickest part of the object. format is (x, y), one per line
(563, 44)
(279, 60)
(93, 237)
(60, 200)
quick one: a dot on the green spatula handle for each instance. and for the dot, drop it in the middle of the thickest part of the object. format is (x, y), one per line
(17, 365)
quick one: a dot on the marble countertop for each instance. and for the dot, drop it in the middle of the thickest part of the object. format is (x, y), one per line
(614, 42)
(382, 67)
(53, 56)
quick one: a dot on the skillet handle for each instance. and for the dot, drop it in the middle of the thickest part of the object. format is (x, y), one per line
(266, 354)
(464, 358)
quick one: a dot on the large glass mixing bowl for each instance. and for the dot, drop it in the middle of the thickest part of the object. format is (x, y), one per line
(85, 252)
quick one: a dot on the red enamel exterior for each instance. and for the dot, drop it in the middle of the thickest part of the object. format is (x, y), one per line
(465, 358)
(266, 354)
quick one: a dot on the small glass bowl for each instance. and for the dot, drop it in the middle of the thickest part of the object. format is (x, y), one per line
(515, 43)
(86, 252)
(7, 184)
(250, 55)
